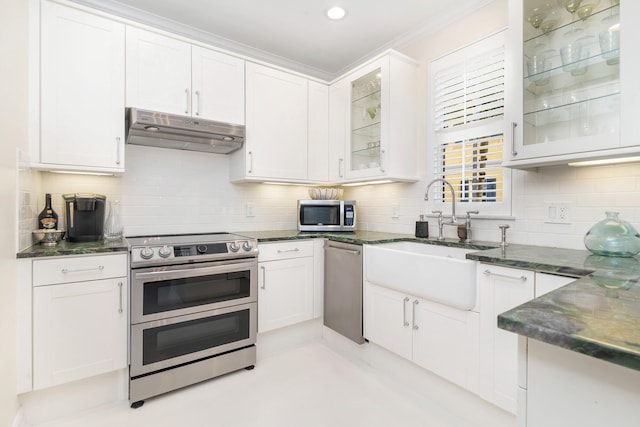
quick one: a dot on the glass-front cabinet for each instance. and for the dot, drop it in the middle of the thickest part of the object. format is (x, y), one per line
(366, 111)
(372, 122)
(574, 80)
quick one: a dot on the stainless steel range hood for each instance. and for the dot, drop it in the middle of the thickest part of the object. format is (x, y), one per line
(165, 130)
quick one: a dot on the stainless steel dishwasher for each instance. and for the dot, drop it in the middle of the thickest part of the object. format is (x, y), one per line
(343, 289)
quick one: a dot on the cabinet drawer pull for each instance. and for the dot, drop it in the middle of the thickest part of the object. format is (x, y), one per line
(514, 125)
(82, 270)
(404, 312)
(505, 276)
(280, 251)
(120, 291)
(413, 315)
(186, 110)
(264, 277)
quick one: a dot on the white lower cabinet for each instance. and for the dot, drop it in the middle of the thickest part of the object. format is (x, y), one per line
(501, 289)
(79, 323)
(286, 285)
(566, 388)
(439, 338)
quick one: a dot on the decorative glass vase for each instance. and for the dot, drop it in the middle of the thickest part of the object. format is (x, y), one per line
(613, 237)
(113, 225)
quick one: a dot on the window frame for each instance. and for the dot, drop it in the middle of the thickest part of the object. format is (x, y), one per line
(467, 131)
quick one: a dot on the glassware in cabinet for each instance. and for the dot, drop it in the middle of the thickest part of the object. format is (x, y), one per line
(571, 73)
(366, 111)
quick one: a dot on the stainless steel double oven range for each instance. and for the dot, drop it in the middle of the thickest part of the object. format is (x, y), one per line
(193, 310)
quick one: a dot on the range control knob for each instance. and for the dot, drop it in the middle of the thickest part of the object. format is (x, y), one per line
(233, 247)
(146, 253)
(165, 251)
(202, 249)
(247, 246)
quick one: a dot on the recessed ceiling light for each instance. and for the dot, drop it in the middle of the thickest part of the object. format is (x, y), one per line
(336, 13)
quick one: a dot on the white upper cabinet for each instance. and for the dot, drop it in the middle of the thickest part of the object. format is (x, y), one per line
(374, 113)
(276, 136)
(573, 84)
(82, 61)
(218, 86)
(158, 72)
(172, 76)
(318, 140)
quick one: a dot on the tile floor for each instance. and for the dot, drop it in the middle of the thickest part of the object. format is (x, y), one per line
(310, 385)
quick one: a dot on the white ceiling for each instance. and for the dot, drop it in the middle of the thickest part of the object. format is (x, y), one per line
(296, 33)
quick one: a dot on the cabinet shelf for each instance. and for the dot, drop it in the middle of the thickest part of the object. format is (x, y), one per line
(363, 101)
(371, 130)
(367, 152)
(540, 37)
(597, 69)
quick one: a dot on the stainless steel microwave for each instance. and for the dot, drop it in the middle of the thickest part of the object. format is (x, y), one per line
(326, 215)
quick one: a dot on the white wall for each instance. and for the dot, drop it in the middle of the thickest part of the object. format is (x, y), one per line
(13, 134)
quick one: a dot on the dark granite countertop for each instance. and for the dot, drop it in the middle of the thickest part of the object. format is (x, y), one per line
(597, 315)
(69, 248)
(359, 238)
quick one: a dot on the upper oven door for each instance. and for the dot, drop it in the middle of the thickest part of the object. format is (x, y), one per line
(176, 290)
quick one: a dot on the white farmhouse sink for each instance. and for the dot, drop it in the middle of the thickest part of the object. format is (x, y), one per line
(434, 272)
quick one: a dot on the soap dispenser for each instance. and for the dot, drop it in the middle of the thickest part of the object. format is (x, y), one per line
(422, 227)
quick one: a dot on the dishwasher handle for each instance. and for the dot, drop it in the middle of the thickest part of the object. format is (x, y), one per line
(339, 249)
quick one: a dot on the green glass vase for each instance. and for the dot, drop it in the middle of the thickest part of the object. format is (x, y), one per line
(613, 237)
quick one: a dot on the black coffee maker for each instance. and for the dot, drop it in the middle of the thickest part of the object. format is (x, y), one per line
(85, 216)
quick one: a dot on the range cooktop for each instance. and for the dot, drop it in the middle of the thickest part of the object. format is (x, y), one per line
(186, 248)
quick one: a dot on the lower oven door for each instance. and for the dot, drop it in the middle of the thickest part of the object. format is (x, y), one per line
(166, 343)
(168, 291)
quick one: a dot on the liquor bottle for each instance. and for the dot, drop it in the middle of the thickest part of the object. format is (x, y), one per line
(48, 218)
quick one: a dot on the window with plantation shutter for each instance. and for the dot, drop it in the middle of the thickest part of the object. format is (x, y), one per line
(468, 100)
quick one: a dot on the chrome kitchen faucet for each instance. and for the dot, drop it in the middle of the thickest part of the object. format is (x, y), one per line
(453, 206)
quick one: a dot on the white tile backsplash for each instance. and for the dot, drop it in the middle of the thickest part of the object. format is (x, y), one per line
(589, 192)
(170, 191)
(167, 191)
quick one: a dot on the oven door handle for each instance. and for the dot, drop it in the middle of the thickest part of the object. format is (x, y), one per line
(193, 272)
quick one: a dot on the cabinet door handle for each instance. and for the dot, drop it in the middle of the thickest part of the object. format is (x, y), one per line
(81, 270)
(117, 150)
(120, 291)
(197, 103)
(250, 162)
(341, 168)
(382, 160)
(514, 125)
(186, 92)
(264, 277)
(505, 276)
(280, 251)
(413, 315)
(404, 312)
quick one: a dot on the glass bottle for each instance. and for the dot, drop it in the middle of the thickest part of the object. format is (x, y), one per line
(613, 237)
(48, 218)
(113, 224)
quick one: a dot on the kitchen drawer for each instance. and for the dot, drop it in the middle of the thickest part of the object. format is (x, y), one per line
(285, 250)
(78, 269)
